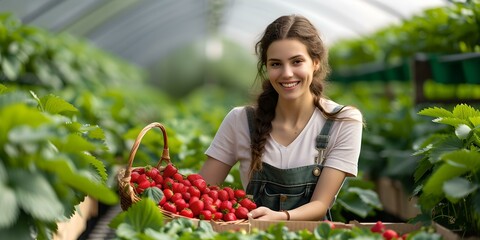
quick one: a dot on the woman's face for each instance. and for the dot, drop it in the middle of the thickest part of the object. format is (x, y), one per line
(290, 68)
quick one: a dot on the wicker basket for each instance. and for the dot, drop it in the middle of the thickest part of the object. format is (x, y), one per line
(128, 196)
(126, 191)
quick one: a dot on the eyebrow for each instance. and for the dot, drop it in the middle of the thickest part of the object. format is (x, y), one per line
(274, 59)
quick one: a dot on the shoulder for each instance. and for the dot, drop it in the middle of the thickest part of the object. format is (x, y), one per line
(349, 112)
(236, 114)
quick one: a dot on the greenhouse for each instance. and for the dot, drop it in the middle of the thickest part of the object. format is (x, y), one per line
(155, 119)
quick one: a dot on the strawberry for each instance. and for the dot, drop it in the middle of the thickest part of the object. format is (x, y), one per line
(226, 206)
(193, 199)
(211, 207)
(200, 184)
(229, 217)
(194, 176)
(178, 187)
(213, 194)
(239, 193)
(231, 193)
(142, 177)
(134, 176)
(178, 177)
(205, 215)
(330, 224)
(144, 184)
(248, 203)
(170, 207)
(186, 182)
(168, 193)
(378, 227)
(152, 172)
(186, 213)
(176, 196)
(217, 216)
(158, 179)
(241, 212)
(194, 191)
(162, 201)
(181, 204)
(168, 182)
(196, 207)
(169, 170)
(223, 195)
(390, 234)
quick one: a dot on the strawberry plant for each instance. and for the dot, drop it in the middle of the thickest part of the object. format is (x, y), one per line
(48, 164)
(448, 176)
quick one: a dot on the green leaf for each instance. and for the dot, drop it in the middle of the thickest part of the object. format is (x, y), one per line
(56, 105)
(367, 196)
(76, 143)
(99, 166)
(322, 231)
(458, 188)
(452, 121)
(96, 190)
(449, 144)
(464, 111)
(144, 214)
(474, 120)
(94, 132)
(154, 193)
(354, 204)
(126, 231)
(8, 206)
(35, 195)
(10, 67)
(436, 112)
(455, 164)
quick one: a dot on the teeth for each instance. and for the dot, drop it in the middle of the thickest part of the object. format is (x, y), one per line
(289, 85)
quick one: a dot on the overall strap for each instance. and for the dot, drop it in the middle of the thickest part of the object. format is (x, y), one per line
(251, 120)
(324, 135)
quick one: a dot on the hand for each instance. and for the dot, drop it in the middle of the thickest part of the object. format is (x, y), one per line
(264, 213)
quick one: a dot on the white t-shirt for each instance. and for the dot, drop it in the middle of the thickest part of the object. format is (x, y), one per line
(231, 143)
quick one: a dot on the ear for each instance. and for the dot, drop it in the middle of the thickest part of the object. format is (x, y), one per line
(316, 64)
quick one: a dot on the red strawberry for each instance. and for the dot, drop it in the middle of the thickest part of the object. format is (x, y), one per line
(239, 193)
(193, 199)
(229, 217)
(162, 201)
(223, 195)
(331, 224)
(134, 176)
(205, 215)
(378, 227)
(178, 177)
(186, 213)
(142, 177)
(213, 194)
(158, 179)
(200, 184)
(144, 185)
(248, 203)
(241, 212)
(194, 176)
(194, 191)
(226, 206)
(170, 207)
(196, 207)
(390, 234)
(176, 196)
(181, 204)
(178, 187)
(168, 193)
(211, 207)
(169, 170)
(168, 182)
(152, 172)
(217, 216)
(231, 193)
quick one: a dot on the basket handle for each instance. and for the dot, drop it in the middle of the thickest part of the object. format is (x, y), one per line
(136, 144)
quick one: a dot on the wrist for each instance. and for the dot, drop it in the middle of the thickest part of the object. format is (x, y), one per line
(287, 214)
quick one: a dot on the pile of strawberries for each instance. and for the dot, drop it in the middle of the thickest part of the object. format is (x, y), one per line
(190, 196)
(387, 234)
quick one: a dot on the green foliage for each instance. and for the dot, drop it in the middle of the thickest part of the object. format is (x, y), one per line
(47, 164)
(447, 178)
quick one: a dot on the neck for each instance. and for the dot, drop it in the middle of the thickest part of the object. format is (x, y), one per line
(294, 112)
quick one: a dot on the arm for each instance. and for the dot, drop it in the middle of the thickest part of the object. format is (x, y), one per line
(214, 172)
(327, 187)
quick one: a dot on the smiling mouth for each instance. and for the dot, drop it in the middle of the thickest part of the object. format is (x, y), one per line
(290, 84)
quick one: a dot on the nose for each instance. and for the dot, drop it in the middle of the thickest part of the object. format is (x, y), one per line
(287, 71)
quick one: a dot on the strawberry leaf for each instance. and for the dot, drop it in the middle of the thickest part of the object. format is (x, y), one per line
(436, 112)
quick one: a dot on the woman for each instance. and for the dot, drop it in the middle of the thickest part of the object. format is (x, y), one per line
(280, 165)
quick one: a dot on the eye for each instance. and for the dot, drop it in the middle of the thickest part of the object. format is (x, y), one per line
(297, 61)
(274, 64)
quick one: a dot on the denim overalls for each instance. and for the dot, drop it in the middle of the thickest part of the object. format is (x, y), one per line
(285, 189)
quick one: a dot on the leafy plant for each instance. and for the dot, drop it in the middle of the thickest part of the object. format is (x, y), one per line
(48, 164)
(448, 176)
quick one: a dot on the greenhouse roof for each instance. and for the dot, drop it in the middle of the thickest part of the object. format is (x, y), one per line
(144, 31)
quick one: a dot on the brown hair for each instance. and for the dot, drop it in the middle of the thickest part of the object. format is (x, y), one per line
(285, 27)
